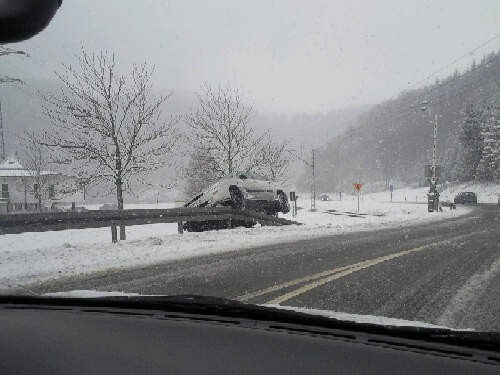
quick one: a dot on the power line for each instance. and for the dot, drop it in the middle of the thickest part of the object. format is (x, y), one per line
(496, 36)
(429, 91)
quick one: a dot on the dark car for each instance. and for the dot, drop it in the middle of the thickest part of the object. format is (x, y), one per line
(466, 197)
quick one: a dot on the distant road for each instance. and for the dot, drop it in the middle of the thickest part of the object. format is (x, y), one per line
(444, 272)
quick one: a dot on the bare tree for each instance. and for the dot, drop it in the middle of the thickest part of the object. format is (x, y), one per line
(274, 158)
(109, 125)
(219, 128)
(200, 172)
(36, 162)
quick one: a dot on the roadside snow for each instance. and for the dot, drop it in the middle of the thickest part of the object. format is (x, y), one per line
(372, 319)
(32, 257)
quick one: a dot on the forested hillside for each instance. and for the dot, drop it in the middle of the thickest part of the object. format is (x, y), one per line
(393, 140)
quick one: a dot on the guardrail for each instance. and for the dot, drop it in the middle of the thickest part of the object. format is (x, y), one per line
(55, 221)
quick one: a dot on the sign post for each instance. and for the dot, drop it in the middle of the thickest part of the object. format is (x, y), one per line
(357, 187)
(432, 173)
(391, 189)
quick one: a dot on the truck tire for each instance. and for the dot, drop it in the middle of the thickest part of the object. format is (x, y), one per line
(237, 199)
(284, 204)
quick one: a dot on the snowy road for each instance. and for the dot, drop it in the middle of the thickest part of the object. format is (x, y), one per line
(38, 256)
(444, 272)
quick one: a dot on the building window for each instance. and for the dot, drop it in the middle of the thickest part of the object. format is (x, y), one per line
(52, 193)
(5, 191)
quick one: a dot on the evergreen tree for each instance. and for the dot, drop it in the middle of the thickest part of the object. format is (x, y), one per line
(471, 143)
(488, 166)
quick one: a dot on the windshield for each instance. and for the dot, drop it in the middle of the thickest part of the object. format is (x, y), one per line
(378, 123)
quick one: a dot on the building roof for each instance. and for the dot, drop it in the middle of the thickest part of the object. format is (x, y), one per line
(11, 163)
(11, 167)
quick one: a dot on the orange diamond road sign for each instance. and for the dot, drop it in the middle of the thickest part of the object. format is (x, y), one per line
(357, 187)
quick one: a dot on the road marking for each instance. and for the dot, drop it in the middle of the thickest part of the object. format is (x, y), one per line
(367, 264)
(277, 287)
(336, 273)
(315, 276)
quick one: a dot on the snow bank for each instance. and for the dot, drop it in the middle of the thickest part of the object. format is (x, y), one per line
(31, 257)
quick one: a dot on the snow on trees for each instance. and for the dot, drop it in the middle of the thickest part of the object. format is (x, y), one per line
(471, 142)
(108, 124)
(223, 142)
(273, 158)
(219, 128)
(37, 164)
(488, 166)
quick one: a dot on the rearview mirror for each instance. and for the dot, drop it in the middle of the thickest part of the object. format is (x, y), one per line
(23, 19)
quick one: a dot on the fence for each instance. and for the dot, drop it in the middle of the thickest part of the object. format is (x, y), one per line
(54, 221)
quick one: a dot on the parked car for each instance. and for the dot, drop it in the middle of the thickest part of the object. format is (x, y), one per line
(498, 200)
(241, 190)
(465, 197)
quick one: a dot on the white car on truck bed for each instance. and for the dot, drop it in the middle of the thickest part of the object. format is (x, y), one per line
(241, 190)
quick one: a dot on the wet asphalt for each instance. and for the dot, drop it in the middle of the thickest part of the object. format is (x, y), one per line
(446, 272)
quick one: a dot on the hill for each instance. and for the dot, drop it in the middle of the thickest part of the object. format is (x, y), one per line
(393, 140)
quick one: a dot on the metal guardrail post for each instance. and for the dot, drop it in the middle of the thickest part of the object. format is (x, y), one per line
(123, 236)
(114, 233)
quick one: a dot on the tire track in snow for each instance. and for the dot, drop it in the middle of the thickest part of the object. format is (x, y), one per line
(468, 294)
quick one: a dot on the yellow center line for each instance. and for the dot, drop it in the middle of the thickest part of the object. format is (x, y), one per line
(334, 274)
(287, 284)
(354, 268)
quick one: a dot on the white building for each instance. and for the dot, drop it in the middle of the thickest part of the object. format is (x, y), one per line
(23, 189)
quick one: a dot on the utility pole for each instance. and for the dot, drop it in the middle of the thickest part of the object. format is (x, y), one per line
(434, 148)
(432, 171)
(2, 139)
(433, 174)
(312, 165)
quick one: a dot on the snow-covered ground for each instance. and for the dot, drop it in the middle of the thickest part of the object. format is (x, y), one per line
(31, 257)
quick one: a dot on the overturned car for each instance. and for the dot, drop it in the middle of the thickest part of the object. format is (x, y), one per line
(241, 190)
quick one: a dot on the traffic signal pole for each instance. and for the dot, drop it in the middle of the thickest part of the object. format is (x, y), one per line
(434, 147)
(434, 177)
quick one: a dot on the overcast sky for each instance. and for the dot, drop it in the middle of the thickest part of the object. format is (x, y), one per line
(285, 56)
